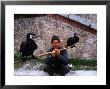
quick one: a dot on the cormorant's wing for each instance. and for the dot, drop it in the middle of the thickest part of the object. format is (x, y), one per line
(22, 46)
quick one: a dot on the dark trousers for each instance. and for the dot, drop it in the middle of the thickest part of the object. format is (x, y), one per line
(57, 68)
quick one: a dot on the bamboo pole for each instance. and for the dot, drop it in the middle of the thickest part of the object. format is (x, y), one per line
(49, 53)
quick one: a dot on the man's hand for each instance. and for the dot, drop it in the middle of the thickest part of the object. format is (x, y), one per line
(55, 52)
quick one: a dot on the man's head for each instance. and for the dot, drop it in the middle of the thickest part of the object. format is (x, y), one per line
(55, 41)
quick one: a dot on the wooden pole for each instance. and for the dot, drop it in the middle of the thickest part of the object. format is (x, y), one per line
(49, 53)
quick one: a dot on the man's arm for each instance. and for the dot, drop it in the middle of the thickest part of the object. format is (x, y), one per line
(63, 56)
(49, 59)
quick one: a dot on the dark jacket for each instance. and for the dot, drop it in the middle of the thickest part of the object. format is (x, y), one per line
(57, 60)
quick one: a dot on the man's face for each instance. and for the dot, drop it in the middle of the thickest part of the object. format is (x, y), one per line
(56, 44)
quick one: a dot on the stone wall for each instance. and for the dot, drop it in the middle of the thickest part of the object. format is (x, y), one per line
(47, 26)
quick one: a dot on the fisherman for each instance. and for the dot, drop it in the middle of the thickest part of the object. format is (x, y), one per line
(57, 61)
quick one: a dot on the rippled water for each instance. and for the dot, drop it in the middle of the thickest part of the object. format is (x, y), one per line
(36, 70)
(42, 73)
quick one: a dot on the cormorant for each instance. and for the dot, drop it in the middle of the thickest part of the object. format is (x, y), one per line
(27, 47)
(72, 40)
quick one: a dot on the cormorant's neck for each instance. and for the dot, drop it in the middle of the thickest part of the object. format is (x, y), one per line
(28, 38)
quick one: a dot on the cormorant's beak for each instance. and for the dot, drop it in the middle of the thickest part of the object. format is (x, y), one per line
(34, 36)
(78, 34)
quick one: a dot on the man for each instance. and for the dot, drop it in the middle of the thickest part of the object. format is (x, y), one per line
(57, 61)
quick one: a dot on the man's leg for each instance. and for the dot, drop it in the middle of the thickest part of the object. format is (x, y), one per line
(49, 67)
(62, 70)
(67, 69)
(51, 70)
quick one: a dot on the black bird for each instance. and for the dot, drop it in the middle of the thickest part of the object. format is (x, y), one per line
(72, 40)
(27, 47)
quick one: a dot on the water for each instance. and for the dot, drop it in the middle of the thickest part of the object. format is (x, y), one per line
(42, 73)
(36, 70)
